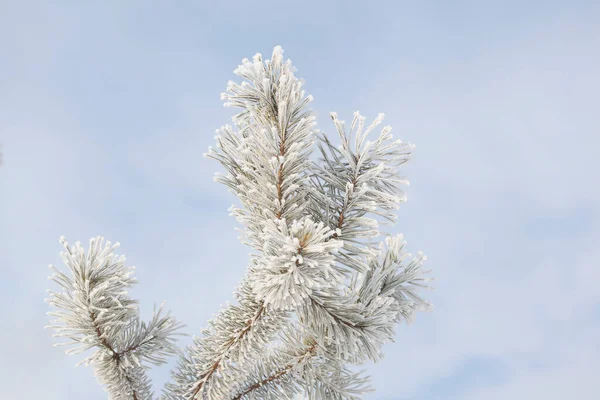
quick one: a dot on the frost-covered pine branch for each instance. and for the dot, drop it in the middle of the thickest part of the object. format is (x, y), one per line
(349, 330)
(97, 314)
(325, 287)
(266, 159)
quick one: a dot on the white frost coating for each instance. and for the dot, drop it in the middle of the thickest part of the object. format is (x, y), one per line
(297, 260)
(95, 313)
(323, 290)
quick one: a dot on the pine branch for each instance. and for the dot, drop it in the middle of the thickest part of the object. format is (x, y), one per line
(269, 152)
(301, 365)
(228, 346)
(358, 322)
(116, 357)
(274, 377)
(353, 332)
(362, 165)
(349, 183)
(312, 227)
(97, 313)
(236, 334)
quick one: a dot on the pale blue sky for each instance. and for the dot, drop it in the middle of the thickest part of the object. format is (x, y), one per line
(106, 108)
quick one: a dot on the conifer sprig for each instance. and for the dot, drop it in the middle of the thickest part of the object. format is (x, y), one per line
(325, 288)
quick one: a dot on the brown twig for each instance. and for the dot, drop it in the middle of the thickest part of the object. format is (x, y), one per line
(342, 216)
(310, 351)
(115, 355)
(229, 345)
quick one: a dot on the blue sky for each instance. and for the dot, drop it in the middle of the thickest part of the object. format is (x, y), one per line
(106, 109)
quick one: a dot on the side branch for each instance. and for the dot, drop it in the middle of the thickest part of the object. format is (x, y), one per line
(115, 355)
(228, 345)
(310, 352)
